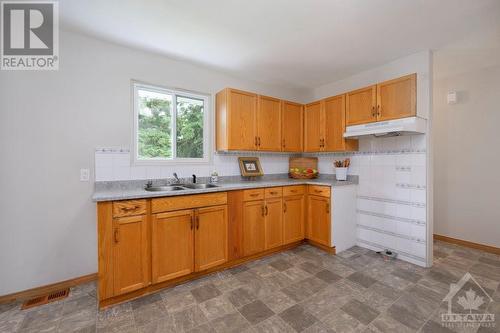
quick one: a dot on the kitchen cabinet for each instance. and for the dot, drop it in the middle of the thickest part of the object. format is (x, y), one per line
(392, 99)
(253, 227)
(210, 237)
(236, 117)
(292, 127)
(313, 133)
(361, 106)
(318, 219)
(273, 223)
(397, 98)
(325, 126)
(130, 254)
(293, 218)
(334, 126)
(268, 124)
(172, 245)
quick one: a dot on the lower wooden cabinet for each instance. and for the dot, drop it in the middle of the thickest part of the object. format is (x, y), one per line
(254, 230)
(318, 219)
(129, 248)
(172, 245)
(210, 237)
(273, 223)
(186, 241)
(293, 219)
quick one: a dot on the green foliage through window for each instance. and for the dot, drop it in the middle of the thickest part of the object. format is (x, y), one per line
(155, 125)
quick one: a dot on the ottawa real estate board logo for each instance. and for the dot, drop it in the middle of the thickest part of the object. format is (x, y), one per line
(29, 35)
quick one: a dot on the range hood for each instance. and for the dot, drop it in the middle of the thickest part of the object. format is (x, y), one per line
(396, 127)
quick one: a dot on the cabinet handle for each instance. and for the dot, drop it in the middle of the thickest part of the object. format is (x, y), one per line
(284, 207)
(116, 235)
(283, 143)
(192, 222)
(126, 209)
(293, 191)
(258, 138)
(273, 193)
(197, 222)
(267, 211)
(318, 191)
(373, 112)
(254, 194)
(256, 142)
(327, 208)
(378, 111)
(263, 210)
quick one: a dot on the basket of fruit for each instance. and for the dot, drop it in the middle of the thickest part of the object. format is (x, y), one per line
(303, 167)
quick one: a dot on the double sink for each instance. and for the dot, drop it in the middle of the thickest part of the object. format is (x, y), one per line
(179, 187)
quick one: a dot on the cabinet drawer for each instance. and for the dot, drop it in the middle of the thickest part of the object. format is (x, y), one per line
(322, 191)
(188, 202)
(293, 190)
(256, 194)
(273, 192)
(129, 208)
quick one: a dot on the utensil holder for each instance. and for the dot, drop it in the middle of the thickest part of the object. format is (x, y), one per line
(341, 173)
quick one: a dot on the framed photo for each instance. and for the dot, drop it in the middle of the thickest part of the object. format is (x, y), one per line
(250, 166)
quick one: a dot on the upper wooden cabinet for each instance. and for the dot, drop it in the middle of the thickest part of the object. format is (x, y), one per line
(387, 100)
(334, 125)
(292, 127)
(236, 119)
(313, 127)
(361, 106)
(325, 126)
(397, 98)
(269, 124)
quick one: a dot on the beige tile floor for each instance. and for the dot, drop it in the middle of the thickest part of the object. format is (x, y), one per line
(302, 290)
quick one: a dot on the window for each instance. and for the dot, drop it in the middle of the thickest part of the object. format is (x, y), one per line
(169, 126)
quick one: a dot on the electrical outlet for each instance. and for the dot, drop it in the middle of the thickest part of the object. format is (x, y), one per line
(84, 175)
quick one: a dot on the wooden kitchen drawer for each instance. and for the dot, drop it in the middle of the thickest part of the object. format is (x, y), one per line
(273, 192)
(322, 191)
(255, 194)
(294, 190)
(129, 208)
(188, 201)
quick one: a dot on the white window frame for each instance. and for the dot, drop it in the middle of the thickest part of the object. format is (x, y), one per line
(175, 93)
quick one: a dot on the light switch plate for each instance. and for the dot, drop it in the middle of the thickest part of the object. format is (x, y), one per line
(84, 175)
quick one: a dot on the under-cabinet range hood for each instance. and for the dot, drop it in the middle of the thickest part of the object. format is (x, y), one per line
(396, 127)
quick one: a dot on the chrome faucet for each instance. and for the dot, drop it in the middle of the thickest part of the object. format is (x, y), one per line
(194, 179)
(177, 180)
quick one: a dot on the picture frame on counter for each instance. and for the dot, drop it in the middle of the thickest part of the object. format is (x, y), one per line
(250, 166)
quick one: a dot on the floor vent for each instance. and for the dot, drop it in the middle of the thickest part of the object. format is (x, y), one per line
(41, 300)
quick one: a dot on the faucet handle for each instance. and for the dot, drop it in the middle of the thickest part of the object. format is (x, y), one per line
(149, 183)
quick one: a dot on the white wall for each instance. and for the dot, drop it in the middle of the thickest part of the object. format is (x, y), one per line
(466, 139)
(50, 125)
(394, 176)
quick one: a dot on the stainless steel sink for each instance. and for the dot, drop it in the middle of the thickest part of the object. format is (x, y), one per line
(199, 186)
(164, 188)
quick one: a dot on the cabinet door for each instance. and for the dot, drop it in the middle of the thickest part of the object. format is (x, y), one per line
(335, 123)
(269, 124)
(210, 237)
(242, 116)
(130, 254)
(172, 245)
(293, 219)
(292, 130)
(253, 227)
(318, 221)
(312, 127)
(397, 98)
(361, 106)
(274, 223)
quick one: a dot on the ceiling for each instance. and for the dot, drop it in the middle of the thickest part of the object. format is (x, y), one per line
(294, 43)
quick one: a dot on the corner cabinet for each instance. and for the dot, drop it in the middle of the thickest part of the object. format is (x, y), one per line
(325, 126)
(292, 127)
(387, 100)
